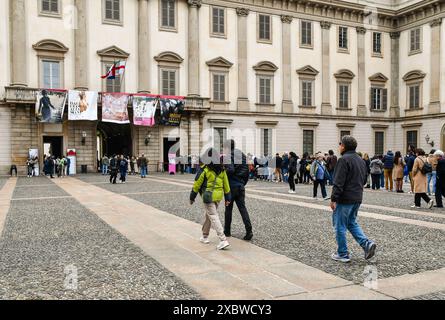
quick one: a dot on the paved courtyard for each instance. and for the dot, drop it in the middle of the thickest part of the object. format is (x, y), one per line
(139, 240)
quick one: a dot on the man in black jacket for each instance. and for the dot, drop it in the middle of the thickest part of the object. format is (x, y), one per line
(238, 174)
(440, 178)
(347, 196)
(114, 166)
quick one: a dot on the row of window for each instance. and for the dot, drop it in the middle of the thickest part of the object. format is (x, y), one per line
(266, 148)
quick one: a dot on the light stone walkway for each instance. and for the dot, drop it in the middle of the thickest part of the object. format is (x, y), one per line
(5, 200)
(245, 271)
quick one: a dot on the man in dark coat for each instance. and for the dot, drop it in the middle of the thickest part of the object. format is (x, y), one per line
(440, 178)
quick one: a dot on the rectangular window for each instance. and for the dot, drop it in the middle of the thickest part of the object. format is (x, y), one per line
(218, 21)
(50, 6)
(219, 87)
(112, 85)
(266, 142)
(168, 12)
(306, 93)
(113, 10)
(379, 145)
(264, 27)
(411, 139)
(377, 42)
(343, 96)
(379, 98)
(265, 90)
(414, 97)
(308, 141)
(415, 39)
(219, 137)
(168, 80)
(306, 33)
(344, 133)
(51, 74)
(343, 38)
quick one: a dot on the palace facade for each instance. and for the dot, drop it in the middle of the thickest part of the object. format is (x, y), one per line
(277, 75)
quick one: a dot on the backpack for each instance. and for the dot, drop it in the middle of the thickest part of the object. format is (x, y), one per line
(427, 167)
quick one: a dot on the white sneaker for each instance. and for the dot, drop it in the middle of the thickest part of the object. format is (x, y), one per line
(290, 191)
(222, 245)
(430, 204)
(327, 198)
(414, 206)
(204, 240)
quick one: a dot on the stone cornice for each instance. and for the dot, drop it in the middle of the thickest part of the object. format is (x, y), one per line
(194, 3)
(394, 35)
(360, 30)
(436, 22)
(286, 19)
(242, 12)
(325, 24)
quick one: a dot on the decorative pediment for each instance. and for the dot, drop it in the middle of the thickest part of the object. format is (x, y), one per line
(48, 45)
(113, 52)
(414, 75)
(307, 71)
(344, 74)
(219, 62)
(378, 77)
(265, 66)
(170, 57)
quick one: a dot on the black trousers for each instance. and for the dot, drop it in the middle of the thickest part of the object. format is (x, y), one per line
(239, 197)
(291, 181)
(440, 190)
(375, 181)
(13, 168)
(419, 196)
(322, 184)
(113, 176)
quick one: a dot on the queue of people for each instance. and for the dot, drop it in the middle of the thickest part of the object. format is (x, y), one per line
(52, 166)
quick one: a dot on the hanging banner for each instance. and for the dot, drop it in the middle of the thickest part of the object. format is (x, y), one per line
(144, 109)
(114, 108)
(172, 109)
(82, 105)
(50, 105)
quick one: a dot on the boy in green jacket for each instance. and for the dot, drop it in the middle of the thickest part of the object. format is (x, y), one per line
(216, 188)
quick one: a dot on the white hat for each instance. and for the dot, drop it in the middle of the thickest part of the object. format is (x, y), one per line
(439, 153)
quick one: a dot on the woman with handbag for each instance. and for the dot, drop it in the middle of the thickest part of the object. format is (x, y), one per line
(318, 174)
(215, 189)
(420, 180)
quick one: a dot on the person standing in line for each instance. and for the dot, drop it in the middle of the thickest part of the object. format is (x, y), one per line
(347, 196)
(368, 175)
(132, 164)
(105, 164)
(114, 167)
(331, 162)
(410, 164)
(238, 174)
(29, 164)
(440, 178)
(420, 180)
(51, 164)
(62, 167)
(388, 162)
(217, 188)
(432, 159)
(278, 162)
(318, 174)
(376, 169)
(292, 171)
(285, 167)
(143, 165)
(123, 169)
(399, 164)
(68, 164)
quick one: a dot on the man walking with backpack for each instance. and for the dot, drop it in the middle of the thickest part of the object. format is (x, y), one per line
(238, 174)
(113, 169)
(388, 165)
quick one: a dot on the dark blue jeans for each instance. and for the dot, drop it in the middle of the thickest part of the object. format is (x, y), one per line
(344, 219)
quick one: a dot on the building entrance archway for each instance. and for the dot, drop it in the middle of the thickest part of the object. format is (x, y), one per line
(114, 139)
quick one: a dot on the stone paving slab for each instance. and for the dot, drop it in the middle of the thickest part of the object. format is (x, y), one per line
(6, 193)
(342, 293)
(161, 235)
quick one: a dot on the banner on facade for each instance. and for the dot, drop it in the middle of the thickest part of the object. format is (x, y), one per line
(144, 109)
(82, 105)
(172, 109)
(114, 108)
(50, 105)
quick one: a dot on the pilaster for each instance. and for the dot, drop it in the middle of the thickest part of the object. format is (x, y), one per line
(243, 100)
(18, 47)
(326, 106)
(81, 47)
(193, 48)
(287, 104)
(434, 106)
(143, 48)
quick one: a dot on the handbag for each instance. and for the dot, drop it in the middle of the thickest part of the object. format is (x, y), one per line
(207, 196)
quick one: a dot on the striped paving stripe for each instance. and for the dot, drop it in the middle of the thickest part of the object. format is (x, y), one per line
(5, 200)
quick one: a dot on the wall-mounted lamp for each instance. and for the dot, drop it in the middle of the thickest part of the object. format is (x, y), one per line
(427, 139)
(84, 136)
(147, 138)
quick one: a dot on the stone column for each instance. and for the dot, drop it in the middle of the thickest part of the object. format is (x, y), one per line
(361, 106)
(193, 48)
(81, 47)
(434, 106)
(243, 100)
(18, 48)
(287, 105)
(395, 107)
(143, 48)
(326, 107)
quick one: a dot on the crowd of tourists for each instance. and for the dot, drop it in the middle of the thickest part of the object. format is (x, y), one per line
(124, 165)
(52, 166)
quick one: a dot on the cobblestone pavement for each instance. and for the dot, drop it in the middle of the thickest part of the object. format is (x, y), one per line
(43, 239)
(433, 296)
(2, 182)
(306, 234)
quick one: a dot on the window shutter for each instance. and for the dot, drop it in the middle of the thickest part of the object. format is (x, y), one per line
(385, 99)
(54, 6)
(116, 10)
(164, 10)
(171, 13)
(45, 5)
(371, 98)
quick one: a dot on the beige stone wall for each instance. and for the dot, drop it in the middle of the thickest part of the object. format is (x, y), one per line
(5, 142)
(86, 154)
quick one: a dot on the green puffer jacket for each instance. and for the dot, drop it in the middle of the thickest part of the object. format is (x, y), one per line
(222, 187)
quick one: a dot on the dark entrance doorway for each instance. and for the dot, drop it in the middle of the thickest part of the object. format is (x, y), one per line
(168, 144)
(114, 139)
(53, 146)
